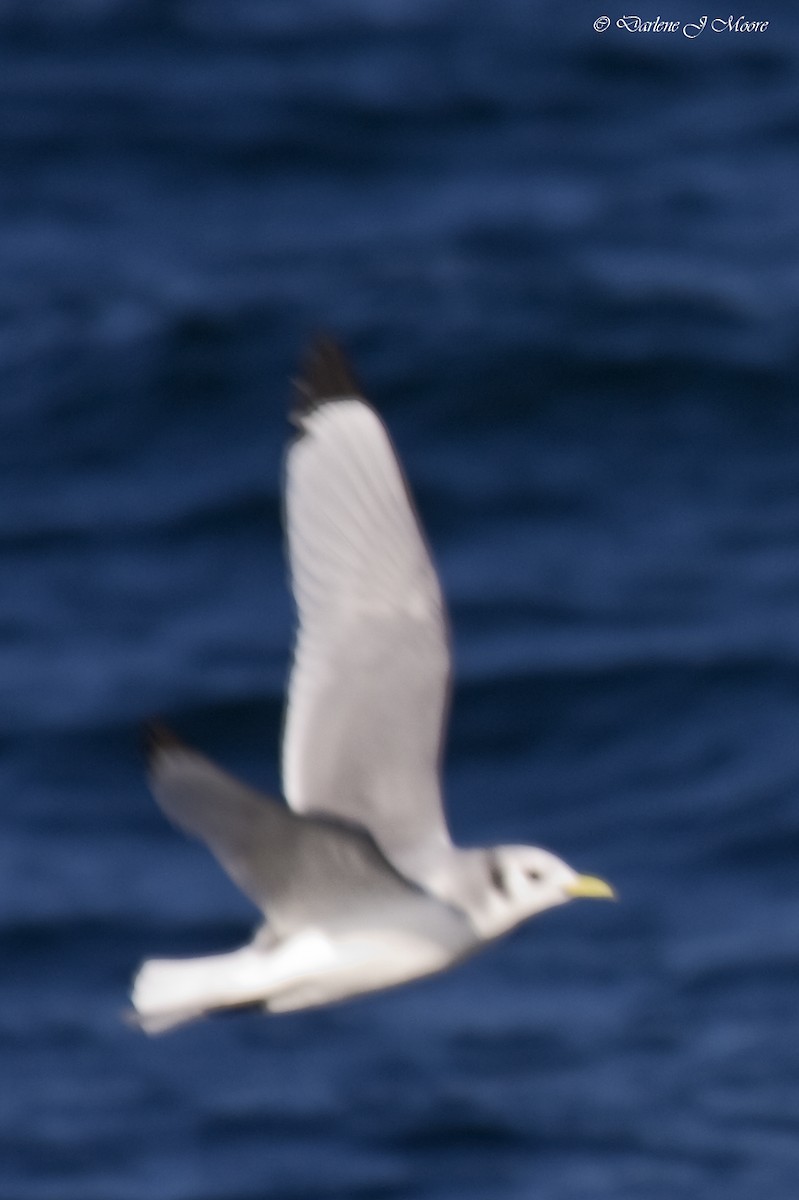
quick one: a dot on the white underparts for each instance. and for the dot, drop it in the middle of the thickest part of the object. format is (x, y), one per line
(303, 971)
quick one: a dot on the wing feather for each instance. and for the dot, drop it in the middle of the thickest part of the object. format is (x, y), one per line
(300, 871)
(370, 680)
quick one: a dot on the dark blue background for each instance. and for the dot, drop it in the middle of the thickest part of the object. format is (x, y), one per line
(566, 264)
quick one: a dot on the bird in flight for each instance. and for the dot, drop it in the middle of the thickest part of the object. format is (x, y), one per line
(358, 880)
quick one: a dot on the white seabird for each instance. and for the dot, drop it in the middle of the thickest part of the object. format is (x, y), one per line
(358, 879)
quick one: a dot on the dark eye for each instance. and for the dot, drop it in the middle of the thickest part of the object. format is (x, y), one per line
(535, 875)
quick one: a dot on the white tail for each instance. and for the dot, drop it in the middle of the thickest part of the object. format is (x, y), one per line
(169, 992)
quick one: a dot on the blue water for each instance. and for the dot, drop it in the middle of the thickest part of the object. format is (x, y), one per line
(566, 265)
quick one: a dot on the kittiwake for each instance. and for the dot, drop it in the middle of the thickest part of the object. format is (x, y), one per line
(357, 877)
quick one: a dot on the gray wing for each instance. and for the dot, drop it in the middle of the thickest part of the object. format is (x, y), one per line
(369, 685)
(299, 871)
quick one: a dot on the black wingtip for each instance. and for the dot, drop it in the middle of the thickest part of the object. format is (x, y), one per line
(326, 375)
(158, 737)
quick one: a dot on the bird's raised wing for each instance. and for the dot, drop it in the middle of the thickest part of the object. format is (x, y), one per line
(300, 871)
(369, 686)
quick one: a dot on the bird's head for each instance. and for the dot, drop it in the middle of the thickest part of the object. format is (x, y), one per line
(525, 880)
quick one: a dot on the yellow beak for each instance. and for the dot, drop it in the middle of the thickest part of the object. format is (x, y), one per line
(590, 887)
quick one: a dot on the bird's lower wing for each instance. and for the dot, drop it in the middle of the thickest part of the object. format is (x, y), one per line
(300, 871)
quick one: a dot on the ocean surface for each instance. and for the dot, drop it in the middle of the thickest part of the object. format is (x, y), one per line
(566, 264)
